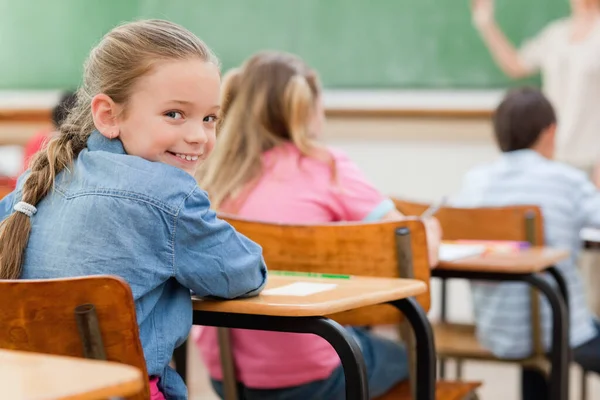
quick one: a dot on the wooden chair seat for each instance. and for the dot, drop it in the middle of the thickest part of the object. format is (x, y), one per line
(444, 390)
(460, 341)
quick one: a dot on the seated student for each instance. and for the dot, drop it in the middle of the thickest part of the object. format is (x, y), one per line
(269, 166)
(114, 194)
(525, 126)
(41, 138)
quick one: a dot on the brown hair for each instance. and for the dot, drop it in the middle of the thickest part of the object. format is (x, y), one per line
(113, 67)
(521, 118)
(268, 101)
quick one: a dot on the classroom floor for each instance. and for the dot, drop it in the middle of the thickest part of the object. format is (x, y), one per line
(500, 381)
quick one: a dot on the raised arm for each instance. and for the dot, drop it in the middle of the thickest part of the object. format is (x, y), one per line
(505, 54)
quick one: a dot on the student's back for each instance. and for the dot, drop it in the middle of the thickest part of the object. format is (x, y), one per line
(269, 166)
(300, 189)
(525, 174)
(294, 188)
(568, 201)
(525, 177)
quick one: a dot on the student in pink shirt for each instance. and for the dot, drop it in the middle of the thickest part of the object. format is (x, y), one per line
(269, 166)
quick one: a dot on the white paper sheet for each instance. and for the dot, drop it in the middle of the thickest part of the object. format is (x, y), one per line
(590, 234)
(453, 252)
(299, 289)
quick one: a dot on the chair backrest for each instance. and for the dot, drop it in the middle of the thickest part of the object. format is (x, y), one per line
(374, 249)
(39, 316)
(521, 223)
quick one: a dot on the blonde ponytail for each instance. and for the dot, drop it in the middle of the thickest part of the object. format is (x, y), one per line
(229, 91)
(270, 100)
(58, 155)
(299, 105)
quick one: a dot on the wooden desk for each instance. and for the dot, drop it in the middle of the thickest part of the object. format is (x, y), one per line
(306, 314)
(524, 262)
(41, 376)
(348, 294)
(527, 266)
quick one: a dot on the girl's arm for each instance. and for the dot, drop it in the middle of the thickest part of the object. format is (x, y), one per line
(211, 258)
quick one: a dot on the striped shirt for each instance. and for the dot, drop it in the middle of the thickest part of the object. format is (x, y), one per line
(569, 202)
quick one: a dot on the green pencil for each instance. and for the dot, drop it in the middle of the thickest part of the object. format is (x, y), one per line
(309, 274)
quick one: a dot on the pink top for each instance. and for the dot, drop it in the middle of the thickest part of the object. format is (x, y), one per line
(155, 393)
(293, 189)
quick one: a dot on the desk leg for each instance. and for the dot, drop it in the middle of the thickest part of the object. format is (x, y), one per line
(340, 339)
(562, 285)
(559, 356)
(355, 371)
(443, 318)
(558, 382)
(425, 347)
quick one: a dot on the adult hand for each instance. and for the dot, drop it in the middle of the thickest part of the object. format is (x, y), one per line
(482, 12)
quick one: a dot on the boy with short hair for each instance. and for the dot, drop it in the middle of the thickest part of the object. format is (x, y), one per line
(525, 174)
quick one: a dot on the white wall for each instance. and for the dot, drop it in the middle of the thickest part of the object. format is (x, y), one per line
(419, 169)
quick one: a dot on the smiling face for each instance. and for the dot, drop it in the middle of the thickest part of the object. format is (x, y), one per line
(171, 114)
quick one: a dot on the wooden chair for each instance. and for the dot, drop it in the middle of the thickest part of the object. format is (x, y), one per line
(391, 249)
(40, 316)
(520, 223)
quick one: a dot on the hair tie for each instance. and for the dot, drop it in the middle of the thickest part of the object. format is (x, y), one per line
(25, 208)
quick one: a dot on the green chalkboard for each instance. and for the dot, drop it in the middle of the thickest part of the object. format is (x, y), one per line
(352, 43)
(43, 43)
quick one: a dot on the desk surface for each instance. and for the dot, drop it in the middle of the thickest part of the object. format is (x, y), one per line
(33, 376)
(343, 295)
(528, 261)
(591, 235)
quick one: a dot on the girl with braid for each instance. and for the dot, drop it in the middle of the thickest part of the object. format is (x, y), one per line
(114, 194)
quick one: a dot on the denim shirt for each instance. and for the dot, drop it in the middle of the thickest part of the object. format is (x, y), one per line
(149, 223)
